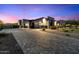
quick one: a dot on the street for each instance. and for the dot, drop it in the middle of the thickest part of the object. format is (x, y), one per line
(35, 41)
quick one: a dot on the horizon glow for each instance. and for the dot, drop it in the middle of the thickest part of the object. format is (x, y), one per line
(11, 13)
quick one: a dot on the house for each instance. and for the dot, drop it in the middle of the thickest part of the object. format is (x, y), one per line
(37, 23)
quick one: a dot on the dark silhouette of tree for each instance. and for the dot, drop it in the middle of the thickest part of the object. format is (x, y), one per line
(1, 24)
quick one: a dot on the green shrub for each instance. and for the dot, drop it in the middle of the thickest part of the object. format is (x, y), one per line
(53, 27)
(72, 29)
(65, 30)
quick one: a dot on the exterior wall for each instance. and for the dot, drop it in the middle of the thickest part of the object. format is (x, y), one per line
(50, 22)
(41, 23)
(55, 23)
(27, 24)
(31, 24)
(20, 23)
(36, 23)
(23, 23)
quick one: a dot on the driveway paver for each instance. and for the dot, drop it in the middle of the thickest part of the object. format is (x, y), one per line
(39, 42)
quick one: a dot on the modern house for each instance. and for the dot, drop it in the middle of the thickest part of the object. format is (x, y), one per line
(37, 23)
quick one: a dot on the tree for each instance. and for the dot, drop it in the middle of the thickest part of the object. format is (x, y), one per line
(1, 24)
(72, 22)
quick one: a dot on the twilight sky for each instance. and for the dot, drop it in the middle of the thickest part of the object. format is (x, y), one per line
(10, 13)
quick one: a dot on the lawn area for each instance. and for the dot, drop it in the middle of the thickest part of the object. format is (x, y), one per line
(8, 44)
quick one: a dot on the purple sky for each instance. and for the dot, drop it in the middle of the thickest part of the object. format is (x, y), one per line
(10, 13)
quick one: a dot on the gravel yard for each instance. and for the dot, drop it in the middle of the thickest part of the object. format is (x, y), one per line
(8, 44)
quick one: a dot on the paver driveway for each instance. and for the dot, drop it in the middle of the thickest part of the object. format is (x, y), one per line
(37, 41)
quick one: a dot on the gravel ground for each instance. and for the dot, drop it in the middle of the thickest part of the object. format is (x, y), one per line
(70, 34)
(8, 44)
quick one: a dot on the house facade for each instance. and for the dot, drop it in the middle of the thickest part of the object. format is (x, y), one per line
(37, 23)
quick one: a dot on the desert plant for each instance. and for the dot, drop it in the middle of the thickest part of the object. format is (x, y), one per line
(67, 34)
(43, 29)
(53, 27)
(65, 30)
(1, 25)
(72, 29)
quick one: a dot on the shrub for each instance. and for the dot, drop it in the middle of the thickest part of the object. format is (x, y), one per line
(0, 29)
(72, 29)
(3, 34)
(53, 27)
(65, 30)
(67, 34)
(43, 29)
